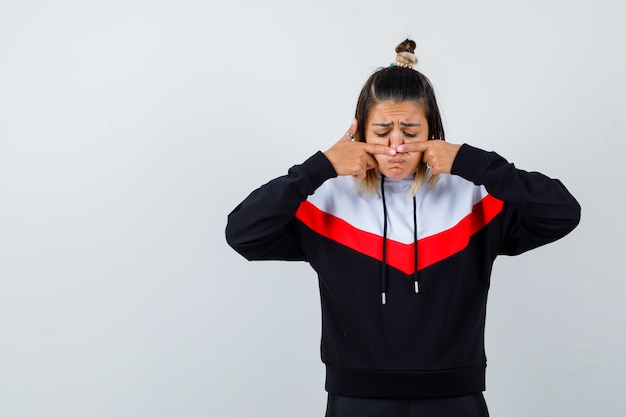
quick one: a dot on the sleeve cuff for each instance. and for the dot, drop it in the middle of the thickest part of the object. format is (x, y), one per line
(469, 162)
(318, 169)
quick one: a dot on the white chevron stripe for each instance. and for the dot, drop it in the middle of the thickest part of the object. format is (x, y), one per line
(444, 206)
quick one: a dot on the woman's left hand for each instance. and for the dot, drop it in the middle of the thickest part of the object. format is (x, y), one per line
(437, 154)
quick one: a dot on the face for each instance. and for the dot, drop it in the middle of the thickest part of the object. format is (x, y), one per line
(392, 124)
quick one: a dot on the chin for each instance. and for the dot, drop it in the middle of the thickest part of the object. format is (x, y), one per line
(396, 173)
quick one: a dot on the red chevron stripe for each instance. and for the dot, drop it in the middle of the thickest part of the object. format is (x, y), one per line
(431, 249)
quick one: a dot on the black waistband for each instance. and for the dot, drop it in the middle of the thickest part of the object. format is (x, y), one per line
(472, 405)
(405, 384)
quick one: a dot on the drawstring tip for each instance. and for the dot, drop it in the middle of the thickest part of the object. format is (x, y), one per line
(384, 298)
(417, 287)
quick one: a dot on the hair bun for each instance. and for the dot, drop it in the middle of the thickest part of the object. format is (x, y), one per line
(406, 46)
(405, 54)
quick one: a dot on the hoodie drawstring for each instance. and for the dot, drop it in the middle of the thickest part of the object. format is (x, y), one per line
(383, 277)
(417, 284)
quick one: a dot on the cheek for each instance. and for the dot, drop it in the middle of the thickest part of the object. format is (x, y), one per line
(414, 158)
(379, 158)
(376, 140)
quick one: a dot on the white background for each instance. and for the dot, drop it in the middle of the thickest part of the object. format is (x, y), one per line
(129, 129)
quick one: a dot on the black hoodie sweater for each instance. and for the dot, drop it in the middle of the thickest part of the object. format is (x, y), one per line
(425, 337)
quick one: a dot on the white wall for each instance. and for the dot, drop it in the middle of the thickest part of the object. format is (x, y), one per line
(129, 129)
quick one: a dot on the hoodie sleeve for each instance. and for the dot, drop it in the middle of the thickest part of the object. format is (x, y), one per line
(262, 227)
(540, 209)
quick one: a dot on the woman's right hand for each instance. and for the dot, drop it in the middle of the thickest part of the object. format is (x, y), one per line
(349, 157)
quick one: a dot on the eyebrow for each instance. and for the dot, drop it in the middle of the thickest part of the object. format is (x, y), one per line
(389, 124)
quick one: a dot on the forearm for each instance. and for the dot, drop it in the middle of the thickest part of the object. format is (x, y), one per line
(546, 210)
(262, 226)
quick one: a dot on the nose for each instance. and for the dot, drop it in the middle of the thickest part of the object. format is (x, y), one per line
(396, 138)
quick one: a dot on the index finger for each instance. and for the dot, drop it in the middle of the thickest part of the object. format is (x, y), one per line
(414, 147)
(378, 149)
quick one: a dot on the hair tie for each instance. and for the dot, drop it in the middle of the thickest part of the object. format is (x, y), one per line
(405, 60)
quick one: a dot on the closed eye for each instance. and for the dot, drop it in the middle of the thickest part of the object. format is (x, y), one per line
(385, 134)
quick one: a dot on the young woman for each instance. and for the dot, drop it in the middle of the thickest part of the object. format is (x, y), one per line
(402, 229)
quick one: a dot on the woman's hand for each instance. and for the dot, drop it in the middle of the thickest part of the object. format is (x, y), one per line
(437, 154)
(354, 158)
